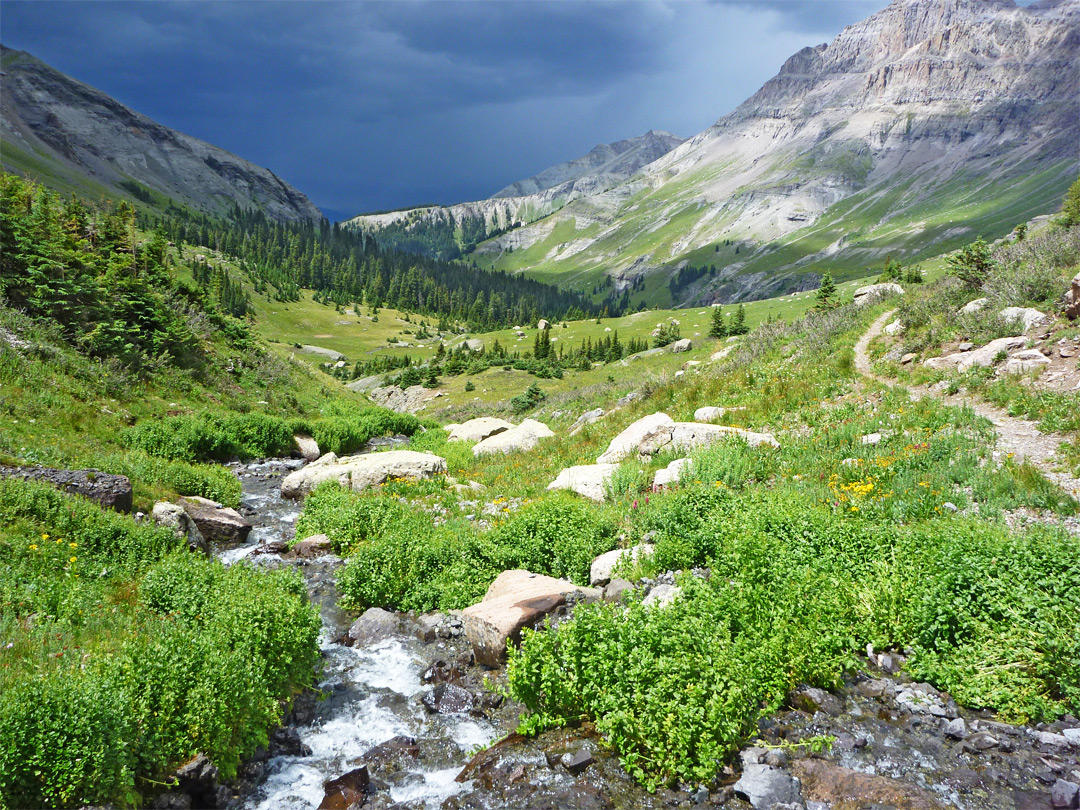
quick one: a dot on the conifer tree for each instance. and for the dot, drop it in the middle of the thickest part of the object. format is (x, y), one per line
(719, 327)
(826, 294)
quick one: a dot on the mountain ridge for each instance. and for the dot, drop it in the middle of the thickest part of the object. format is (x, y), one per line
(64, 130)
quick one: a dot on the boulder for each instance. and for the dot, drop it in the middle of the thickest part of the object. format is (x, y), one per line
(515, 600)
(306, 447)
(348, 791)
(680, 346)
(617, 590)
(720, 355)
(894, 328)
(108, 491)
(542, 324)
(662, 595)
(363, 471)
(603, 566)
(983, 356)
(765, 787)
(644, 354)
(521, 438)
(671, 473)
(198, 778)
(710, 413)
(626, 443)
(1025, 361)
(317, 545)
(689, 436)
(1025, 316)
(1072, 299)
(448, 698)
(586, 480)
(476, 430)
(171, 516)
(216, 522)
(402, 400)
(586, 418)
(972, 307)
(374, 626)
(875, 292)
(474, 345)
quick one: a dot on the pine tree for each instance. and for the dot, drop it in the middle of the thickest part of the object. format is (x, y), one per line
(738, 325)
(719, 327)
(826, 294)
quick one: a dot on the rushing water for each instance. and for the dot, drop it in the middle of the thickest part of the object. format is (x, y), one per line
(370, 695)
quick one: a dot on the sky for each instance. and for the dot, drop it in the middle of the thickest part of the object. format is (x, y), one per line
(370, 106)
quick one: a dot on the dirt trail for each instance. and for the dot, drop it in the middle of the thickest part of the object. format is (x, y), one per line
(1021, 438)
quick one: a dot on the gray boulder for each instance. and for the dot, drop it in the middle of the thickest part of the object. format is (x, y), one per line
(680, 346)
(1025, 361)
(587, 480)
(626, 443)
(984, 356)
(765, 787)
(374, 626)
(216, 522)
(518, 439)
(306, 447)
(864, 296)
(1026, 317)
(361, 472)
(476, 430)
(972, 307)
(172, 516)
(586, 418)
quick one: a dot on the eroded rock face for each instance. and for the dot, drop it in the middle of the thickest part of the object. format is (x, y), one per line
(515, 600)
(587, 480)
(519, 439)
(361, 472)
(109, 491)
(476, 430)
(216, 522)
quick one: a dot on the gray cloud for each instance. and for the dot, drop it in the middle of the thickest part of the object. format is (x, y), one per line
(367, 105)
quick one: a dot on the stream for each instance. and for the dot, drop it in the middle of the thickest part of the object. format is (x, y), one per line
(369, 695)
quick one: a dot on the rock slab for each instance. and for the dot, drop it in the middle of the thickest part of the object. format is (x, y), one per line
(476, 430)
(109, 491)
(361, 472)
(522, 438)
(515, 600)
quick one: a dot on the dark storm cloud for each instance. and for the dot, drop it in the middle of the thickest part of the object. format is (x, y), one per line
(367, 105)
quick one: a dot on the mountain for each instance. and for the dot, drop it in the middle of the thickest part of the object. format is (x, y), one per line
(448, 231)
(615, 160)
(912, 132)
(76, 138)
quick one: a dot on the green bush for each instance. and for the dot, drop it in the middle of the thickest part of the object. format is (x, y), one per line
(205, 480)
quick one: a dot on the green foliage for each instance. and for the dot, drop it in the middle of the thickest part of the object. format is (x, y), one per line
(717, 325)
(666, 333)
(127, 656)
(528, 400)
(893, 272)
(972, 264)
(221, 436)
(826, 294)
(1070, 206)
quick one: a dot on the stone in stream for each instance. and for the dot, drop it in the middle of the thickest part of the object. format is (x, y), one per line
(579, 761)
(346, 792)
(515, 600)
(765, 787)
(362, 471)
(311, 547)
(448, 698)
(171, 516)
(827, 782)
(198, 778)
(811, 699)
(374, 626)
(305, 447)
(108, 491)
(216, 522)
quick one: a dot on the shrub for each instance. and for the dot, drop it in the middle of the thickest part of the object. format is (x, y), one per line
(972, 264)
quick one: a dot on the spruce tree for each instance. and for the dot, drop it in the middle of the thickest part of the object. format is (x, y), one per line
(738, 326)
(718, 328)
(826, 294)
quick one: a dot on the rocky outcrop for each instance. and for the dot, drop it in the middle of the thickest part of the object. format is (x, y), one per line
(361, 472)
(985, 356)
(626, 444)
(660, 433)
(476, 430)
(587, 480)
(403, 400)
(109, 491)
(216, 522)
(515, 600)
(75, 129)
(1072, 299)
(519, 439)
(864, 296)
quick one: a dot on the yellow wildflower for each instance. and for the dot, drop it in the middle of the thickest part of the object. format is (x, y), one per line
(72, 559)
(33, 546)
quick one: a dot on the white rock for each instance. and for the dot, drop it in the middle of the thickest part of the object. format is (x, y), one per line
(626, 443)
(971, 307)
(709, 413)
(662, 595)
(871, 438)
(894, 328)
(476, 430)
(586, 418)
(690, 435)
(671, 473)
(1026, 316)
(875, 292)
(306, 447)
(984, 356)
(683, 345)
(1025, 361)
(361, 472)
(521, 438)
(586, 479)
(603, 566)
(542, 324)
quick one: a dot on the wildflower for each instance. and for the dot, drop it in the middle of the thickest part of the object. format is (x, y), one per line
(33, 546)
(73, 545)
(44, 537)
(73, 559)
